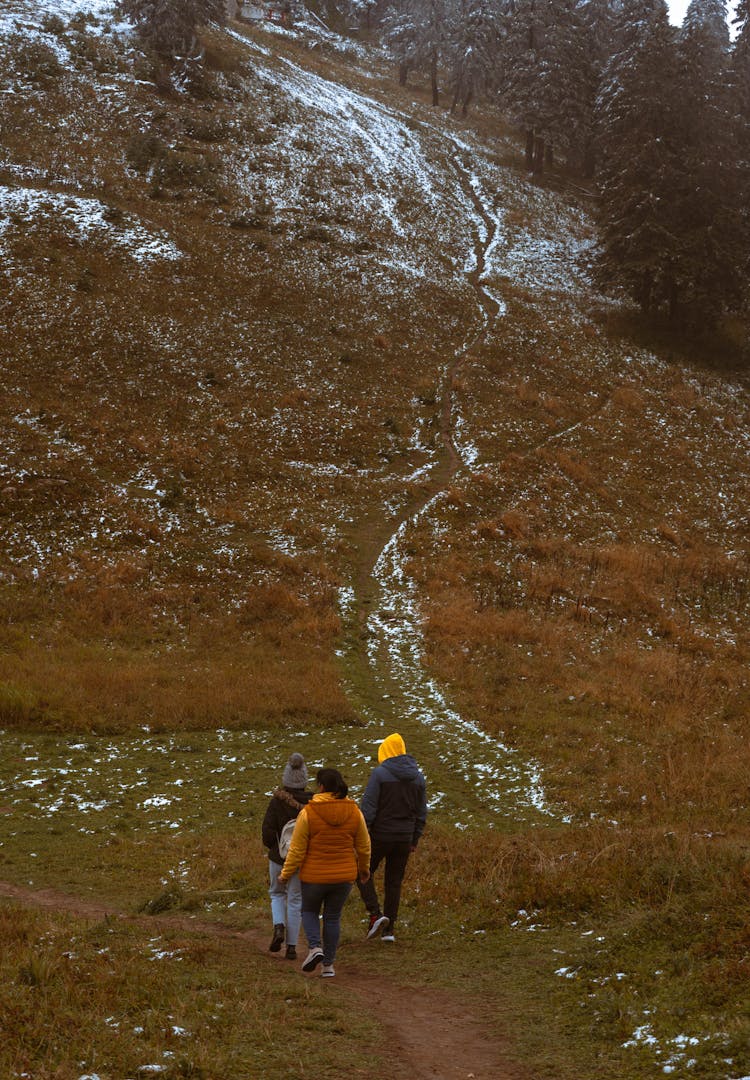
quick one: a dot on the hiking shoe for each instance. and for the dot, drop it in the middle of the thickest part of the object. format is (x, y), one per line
(291, 952)
(327, 972)
(278, 938)
(376, 922)
(313, 958)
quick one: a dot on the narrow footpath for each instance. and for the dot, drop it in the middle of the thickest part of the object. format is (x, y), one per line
(387, 680)
(429, 1034)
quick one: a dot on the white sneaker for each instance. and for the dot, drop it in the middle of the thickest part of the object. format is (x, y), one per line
(327, 972)
(313, 958)
(388, 935)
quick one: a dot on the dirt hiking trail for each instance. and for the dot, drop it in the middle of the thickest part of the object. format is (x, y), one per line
(428, 1034)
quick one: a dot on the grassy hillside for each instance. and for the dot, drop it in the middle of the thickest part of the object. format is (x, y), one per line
(314, 428)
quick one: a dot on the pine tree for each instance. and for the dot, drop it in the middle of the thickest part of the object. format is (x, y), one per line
(640, 158)
(704, 204)
(361, 12)
(598, 19)
(169, 26)
(522, 42)
(433, 42)
(474, 38)
(548, 77)
(708, 20)
(572, 80)
(740, 128)
(740, 79)
(402, 37)
(416, 33)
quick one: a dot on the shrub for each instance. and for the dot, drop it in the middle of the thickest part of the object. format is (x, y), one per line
(82, 20)
(53, 24)
(87, 50)
(205, 129)
(177, 169)
(143, 149)
(169, 26)
(31, 60)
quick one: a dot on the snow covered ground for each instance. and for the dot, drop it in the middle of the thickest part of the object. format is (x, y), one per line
(84, 220)
(20, 14)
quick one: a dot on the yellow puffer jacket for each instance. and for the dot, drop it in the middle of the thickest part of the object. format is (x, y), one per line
(330, 842)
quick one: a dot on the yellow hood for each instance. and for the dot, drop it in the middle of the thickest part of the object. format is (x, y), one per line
(391, 747)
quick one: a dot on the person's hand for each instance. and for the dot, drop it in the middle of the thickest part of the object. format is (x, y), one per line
(364, 877)
(413, 848)
(282, 879)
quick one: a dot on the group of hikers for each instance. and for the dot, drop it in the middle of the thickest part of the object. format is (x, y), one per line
(336, 843)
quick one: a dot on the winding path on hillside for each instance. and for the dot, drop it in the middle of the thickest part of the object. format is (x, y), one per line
(428, 1033)
(387, 681)
(388, 678)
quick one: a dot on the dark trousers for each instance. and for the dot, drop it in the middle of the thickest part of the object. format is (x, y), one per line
(396, 854)
(331, 897)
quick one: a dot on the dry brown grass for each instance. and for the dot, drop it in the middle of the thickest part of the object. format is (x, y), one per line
(205, 684)
(164, 562)
(628, 398)
(603, 625)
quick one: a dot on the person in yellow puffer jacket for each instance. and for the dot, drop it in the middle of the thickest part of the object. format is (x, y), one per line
(331, 849)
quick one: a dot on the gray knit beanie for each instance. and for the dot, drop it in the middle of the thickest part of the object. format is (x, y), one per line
(295, 772)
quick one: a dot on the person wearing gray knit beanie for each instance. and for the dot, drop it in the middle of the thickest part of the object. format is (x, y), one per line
(286, 899)
(295, 772)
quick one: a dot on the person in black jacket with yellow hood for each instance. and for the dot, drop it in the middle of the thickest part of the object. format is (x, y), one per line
(394, 805)
(286, 898)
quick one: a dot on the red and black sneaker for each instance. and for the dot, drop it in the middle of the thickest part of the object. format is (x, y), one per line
(376, 923)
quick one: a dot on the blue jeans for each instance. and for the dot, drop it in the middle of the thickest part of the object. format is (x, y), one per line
(286, 902)
(331, 897)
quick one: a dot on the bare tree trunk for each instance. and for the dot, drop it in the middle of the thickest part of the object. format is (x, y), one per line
(538, 168)
(468, 98)
(434, 80)
(403, 73)
(549, 156)
(529, 149)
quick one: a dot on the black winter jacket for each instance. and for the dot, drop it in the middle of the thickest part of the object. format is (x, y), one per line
(394, 803)
(285, 804)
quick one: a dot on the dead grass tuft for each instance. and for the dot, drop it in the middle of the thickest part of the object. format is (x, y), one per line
(527, 394)
(629, 398)
(514, 524)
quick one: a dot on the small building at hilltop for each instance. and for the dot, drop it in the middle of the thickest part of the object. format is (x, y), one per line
(275, 11)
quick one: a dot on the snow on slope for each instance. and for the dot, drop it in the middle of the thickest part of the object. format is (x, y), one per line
(348, 157)
(375, 171)
(85, 219)
(19, 14)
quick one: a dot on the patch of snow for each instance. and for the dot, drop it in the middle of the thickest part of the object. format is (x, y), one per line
(642, 1036)
(84, 218)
